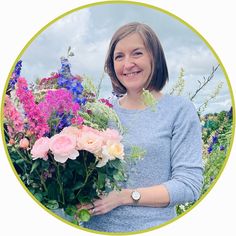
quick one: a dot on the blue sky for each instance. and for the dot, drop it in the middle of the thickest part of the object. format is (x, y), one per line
(88, 31)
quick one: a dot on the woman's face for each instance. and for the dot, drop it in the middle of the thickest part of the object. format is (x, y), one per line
(132, 62)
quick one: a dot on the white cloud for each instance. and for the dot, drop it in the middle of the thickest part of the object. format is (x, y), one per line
(42, 56)
(88, 32)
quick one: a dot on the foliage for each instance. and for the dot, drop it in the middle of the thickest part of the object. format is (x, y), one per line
(216, 138)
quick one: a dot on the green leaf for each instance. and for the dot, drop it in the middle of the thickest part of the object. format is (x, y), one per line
(101, 180)
(32, 190)
(137, 152)
(45, 164)
(38, 196)
(70, 196)
(84, 199)
(71, 210)
(78, 185)
(116, 164)
(19, 161)
(119, 176)
(52, 204)
(53, 190)
(84, 215)
(74, 221)
(34, 166)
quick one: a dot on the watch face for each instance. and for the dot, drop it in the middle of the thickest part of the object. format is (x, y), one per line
(136, 195)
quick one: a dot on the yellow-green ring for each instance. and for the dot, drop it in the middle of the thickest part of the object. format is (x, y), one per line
(119, 2)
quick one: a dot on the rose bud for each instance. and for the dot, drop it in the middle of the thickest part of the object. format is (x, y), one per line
(24, 143)
(11, 141)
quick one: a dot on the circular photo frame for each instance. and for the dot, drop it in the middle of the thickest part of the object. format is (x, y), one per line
(57, 84)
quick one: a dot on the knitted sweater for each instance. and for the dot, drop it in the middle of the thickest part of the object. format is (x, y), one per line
(171, 137)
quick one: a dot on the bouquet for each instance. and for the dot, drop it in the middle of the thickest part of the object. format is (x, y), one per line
(59, 141)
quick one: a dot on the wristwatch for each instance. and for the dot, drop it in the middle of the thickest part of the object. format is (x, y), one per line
(135, 195)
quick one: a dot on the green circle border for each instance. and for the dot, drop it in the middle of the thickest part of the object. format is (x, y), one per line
(118, 2)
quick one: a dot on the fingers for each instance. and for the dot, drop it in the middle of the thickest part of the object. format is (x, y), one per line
(96, 211)
(85, 206)
(93, 207)
(93, 211)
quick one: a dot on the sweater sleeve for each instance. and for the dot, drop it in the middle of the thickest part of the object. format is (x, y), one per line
(186, 157)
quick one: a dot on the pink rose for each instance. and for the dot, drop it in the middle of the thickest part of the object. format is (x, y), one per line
(71, 130)
(63, 146)
(40, 148)
(85, 129)
(90, 141)
(111, 135)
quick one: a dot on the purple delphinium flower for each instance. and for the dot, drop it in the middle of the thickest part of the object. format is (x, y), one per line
(222, 148)
(209, 149)
(14, 77)
(214, 139)
(71, 83)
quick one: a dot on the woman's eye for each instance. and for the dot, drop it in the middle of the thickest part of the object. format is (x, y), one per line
(137, 53)
(118, 57)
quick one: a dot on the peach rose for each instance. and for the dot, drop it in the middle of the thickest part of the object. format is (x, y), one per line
(113, 151)
(40, 148)
(90, 141)
(102, 160)
(24, 143)
(63, 146)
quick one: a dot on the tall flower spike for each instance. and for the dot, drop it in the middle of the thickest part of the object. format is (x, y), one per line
(37, 122)
(15, 123)
(15, 75)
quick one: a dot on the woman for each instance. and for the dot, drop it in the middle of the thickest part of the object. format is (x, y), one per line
(171, 171)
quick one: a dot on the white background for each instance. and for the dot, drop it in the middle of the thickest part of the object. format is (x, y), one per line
(20, 20)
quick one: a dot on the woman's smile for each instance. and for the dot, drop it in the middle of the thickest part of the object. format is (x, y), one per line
(132, 75)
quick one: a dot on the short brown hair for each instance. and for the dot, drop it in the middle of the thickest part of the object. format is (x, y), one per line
(159, 73)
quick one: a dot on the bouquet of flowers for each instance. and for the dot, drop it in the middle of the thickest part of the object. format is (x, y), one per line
(59, 141)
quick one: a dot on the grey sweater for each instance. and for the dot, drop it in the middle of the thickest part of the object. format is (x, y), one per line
(171, 137)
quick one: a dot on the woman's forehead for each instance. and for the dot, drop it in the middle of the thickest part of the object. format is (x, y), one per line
(133, 41)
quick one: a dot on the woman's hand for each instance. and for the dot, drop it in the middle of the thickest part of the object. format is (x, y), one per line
(104, 204)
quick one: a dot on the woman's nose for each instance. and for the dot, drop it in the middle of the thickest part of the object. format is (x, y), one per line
(128, 63)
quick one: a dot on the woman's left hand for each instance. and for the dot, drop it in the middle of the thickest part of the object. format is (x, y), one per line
(104, 204)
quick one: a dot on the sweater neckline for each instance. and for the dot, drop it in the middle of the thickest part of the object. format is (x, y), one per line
(133, 111)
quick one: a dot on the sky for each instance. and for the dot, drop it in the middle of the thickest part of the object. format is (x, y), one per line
(88, 32)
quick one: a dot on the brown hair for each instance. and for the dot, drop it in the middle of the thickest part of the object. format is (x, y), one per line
(159, 73)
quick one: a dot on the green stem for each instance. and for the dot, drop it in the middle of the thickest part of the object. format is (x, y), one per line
(88, 173)
(42, 181)
(99, 85)
(6, 133)
(58, 177)
(22, 157)
(60, 184)
(205, 82)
